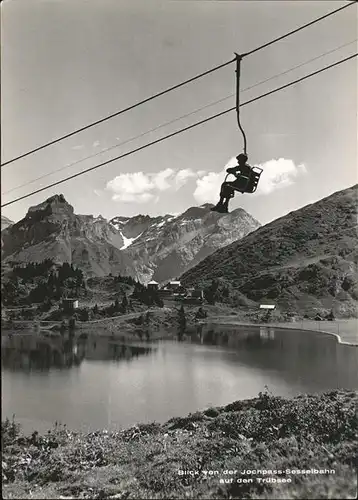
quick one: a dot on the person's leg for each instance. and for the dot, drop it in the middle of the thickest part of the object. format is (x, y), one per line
(225, 205)
(222, 197)
(223, 193)
(226, 193)
(218, 206)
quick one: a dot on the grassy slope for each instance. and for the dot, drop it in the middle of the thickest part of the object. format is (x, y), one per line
(318, 431)
(302, 260)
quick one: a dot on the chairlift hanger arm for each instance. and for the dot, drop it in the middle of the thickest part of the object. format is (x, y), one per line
(238, 74)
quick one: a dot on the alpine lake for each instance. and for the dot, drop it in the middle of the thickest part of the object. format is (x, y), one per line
(89, 382)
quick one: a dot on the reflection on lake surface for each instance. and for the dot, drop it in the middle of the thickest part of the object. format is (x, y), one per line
(41, 352)
(95, 382)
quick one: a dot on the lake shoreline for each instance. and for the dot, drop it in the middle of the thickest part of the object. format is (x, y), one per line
(165, 319)
(169, 460)
(346, 335)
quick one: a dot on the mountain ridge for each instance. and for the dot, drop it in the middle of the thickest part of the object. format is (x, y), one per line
(5, 222)
(277, 261)
(141, 246)
(170, 246)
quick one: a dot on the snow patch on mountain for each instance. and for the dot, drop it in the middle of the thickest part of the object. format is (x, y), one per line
(128, 241)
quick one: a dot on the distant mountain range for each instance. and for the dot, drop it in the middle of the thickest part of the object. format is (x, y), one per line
(5, 222)
(141, 246)
(164, 247)
(306, 260)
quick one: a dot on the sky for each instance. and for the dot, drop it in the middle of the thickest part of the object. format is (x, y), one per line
(67, 63)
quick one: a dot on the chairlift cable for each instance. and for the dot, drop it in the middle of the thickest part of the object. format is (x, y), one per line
(179, 131)
(238, 74)
(165, 124)
(298, 29)
(174, 87)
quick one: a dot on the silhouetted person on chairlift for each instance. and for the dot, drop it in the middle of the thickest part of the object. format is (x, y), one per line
(227, 191)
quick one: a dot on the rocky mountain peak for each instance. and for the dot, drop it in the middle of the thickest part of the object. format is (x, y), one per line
(196, 212)
(57, 198)
(55, 205)
(132, 227)
(52, 230)
(5, 222)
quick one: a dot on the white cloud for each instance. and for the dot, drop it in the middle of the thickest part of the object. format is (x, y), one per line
(160, 179)
(96, 144)
(133, 198)
(135, 183)
(139, 187)
(182, 177)
(277, 174)
(208, 186)
(80, 146)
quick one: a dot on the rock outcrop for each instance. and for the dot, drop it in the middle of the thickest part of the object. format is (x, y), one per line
(170, 245)
(52, 230)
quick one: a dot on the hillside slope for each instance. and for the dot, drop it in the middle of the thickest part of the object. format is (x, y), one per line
(303, 261)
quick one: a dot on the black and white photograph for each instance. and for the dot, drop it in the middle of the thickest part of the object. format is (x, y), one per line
(179, 249)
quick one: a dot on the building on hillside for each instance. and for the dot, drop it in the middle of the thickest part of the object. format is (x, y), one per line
(180, 291)
(193, 296)
(173, 285)
(153, 285)
(69, 305)
(266, 311)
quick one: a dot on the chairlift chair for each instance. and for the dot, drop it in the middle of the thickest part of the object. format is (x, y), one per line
(249, 183)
